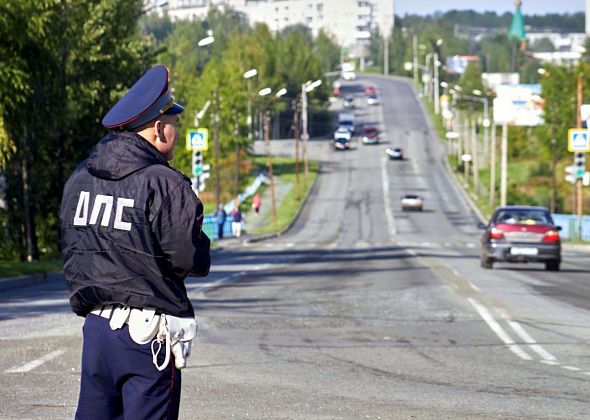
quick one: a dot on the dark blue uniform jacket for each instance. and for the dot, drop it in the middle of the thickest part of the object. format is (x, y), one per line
(130, 229)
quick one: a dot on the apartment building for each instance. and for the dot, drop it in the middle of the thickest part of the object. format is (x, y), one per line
(349, 21)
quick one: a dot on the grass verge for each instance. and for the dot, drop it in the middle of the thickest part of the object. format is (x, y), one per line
(284, 169)
(19, 268)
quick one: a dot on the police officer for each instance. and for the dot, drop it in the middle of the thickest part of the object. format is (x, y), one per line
(130, 230)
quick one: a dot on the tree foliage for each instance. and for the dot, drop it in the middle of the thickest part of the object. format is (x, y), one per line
(63, 65)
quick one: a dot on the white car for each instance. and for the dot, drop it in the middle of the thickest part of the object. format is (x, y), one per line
(412, 202)
(373, 99)
(343, 133)
(395, 153)
(348, 75)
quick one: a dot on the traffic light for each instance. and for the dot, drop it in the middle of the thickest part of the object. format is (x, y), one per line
(197, 163)
(579, 164)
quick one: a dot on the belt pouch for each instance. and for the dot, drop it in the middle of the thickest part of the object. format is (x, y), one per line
(143, 325)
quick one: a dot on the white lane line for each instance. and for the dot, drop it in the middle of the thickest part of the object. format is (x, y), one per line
(530, 341)
(572, 368)
(550, 362)
(518, 329)
(386, 199)
(495, 327)
(35, 363)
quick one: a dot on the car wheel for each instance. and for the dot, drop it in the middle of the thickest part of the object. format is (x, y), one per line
(486, 263)
(552, 265)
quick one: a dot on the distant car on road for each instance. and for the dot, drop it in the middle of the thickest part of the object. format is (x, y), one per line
(521, 234)
(370, 134)
(395, 153)
(341, 143)
(370, 90)
(343, 132)
(347, 119)
(412, 202)
(373, 99)
(348, 101)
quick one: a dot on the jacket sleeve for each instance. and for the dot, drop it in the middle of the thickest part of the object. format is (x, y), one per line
(177, 229)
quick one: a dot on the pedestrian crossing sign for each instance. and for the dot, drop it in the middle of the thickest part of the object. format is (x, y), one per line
(196, 139)
(578, 140)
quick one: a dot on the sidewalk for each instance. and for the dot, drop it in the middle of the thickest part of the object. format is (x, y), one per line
(254, 221)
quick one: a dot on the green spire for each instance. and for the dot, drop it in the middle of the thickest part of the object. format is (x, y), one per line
(517, 26)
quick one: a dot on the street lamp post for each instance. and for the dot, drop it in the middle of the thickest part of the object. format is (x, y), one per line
(296, 105)
(305, 88)
(437, 64)
(265, 92)
(553, 180)
(216, 143)
(248, 75)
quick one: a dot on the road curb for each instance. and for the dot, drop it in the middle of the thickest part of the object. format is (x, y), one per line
(294, 219)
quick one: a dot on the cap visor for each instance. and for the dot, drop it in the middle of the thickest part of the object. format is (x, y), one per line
(174, 109)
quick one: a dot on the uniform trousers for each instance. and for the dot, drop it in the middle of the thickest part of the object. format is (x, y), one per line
(119, 379)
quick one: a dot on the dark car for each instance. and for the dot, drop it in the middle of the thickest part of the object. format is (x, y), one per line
(348, 101)
(521, 234)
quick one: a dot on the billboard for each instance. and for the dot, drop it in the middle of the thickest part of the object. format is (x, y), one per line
(519, 105)
(457, 64)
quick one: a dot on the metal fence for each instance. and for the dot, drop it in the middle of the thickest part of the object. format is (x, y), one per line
(573, 228)
(210, 227)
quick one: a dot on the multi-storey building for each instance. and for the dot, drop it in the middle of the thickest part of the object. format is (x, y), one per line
(349, 21)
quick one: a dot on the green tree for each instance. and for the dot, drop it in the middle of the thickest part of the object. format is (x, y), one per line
(71, 60)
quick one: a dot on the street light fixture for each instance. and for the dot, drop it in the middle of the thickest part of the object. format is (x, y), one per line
(265, 91)
(206, 41)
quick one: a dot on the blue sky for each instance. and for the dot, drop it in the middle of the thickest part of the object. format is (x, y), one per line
(529, 7)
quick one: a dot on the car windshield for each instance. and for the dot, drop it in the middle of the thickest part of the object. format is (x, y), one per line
(523, 217)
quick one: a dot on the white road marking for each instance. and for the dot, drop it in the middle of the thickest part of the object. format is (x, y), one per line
(518, 329)
(572, 368)
(550, 362)
(530, 341)
(387, 199)
(35, 363)
(495, 327)
(289, 245)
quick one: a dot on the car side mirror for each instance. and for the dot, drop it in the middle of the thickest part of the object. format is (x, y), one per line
(481, 225)
(558, 228)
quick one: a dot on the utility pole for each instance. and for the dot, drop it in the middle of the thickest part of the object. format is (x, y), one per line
(474, 152)
(385, 55)
(216, 142)
(415, 63)
(269, 164)
(436, 87)
(579, 184)
(553, 179)
(504, 164)
(304, 134)
(493, 166)
(296, 134)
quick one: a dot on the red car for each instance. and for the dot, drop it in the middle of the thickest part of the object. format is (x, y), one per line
(521, 234)
(370, 90)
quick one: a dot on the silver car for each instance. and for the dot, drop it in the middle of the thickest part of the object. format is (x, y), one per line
(412, 202)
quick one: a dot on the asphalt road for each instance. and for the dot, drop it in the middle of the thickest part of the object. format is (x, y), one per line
(359, 311)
